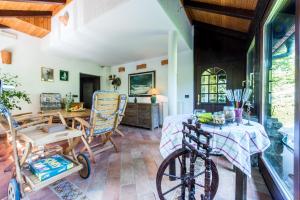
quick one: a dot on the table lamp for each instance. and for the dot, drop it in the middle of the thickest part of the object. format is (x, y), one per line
(153, 92)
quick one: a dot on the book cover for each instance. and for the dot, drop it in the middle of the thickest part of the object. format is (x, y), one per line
(49, 167)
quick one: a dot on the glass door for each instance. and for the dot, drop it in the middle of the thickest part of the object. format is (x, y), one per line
(279, 94)
(252, 79)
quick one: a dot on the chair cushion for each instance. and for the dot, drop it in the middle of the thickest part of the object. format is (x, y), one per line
(6, 113)
(98, 131)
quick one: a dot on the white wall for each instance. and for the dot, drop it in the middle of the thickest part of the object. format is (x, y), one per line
(27, 60)
(185, 79)
(152, 65)
(185, 82)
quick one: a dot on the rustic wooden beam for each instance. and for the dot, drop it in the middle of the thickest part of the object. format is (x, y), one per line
(222, 10)
(260, 10)
(60, 2)
(23, 13)
(221, 30)
(3, 26)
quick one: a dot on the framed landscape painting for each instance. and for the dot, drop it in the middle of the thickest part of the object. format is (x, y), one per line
(140, 83)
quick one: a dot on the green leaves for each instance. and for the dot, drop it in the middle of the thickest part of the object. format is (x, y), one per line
(12, 98)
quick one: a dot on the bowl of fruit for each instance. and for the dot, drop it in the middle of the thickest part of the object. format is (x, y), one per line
(205, 117)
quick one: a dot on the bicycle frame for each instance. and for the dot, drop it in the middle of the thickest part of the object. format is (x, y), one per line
(188, 138)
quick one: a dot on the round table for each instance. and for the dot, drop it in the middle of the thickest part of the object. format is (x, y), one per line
(236, 142)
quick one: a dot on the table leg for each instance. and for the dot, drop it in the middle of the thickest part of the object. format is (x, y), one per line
(172, 170)
(240, 185)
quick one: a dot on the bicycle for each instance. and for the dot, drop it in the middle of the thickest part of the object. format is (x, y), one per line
(190, 160)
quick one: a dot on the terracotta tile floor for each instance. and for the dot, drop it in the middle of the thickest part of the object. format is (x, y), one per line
(131, 173)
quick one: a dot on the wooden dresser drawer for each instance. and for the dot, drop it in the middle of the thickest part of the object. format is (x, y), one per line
(131, 106)
(144, 115)
(144, 107)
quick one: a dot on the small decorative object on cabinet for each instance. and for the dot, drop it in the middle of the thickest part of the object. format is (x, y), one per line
(153, 92)
(143, 115)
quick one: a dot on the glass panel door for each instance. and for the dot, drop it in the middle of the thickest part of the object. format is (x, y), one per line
(253, 79)
(279, 70)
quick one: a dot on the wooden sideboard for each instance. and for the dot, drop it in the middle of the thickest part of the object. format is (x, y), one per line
(143, 115)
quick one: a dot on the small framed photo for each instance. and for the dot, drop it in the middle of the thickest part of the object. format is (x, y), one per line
(47, 74)
(63, 75)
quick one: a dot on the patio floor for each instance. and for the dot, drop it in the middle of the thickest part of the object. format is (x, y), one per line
(130, 174)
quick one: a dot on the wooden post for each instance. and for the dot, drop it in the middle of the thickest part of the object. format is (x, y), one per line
(240, 185)
(297, 106)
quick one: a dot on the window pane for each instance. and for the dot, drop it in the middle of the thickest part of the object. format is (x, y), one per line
(279, 69)
(204, 89)
(222, 98)
(213, 79)
(213, 89)
(204, 79)
(204, 98)
(213, 83)
(213, 98)
(222, 78)
(222, 88)
(206, 73)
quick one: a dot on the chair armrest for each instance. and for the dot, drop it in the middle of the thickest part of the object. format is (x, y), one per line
(82, 122)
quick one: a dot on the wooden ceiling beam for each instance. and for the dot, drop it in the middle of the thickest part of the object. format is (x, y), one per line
(59, 2)
(261, 7)
(23, 13)
(221, 30)
(36, 28)
(3, 26)
(222, 10)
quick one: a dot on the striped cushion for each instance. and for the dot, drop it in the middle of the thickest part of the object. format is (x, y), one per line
(99, 131)
(6, 113)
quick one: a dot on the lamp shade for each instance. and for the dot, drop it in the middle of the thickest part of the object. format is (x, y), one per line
(153, 91)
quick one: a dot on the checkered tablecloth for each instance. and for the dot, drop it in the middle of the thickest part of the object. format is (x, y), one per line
(236, 143)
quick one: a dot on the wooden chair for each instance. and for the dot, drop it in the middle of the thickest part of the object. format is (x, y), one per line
(104, 119)
(122, 107)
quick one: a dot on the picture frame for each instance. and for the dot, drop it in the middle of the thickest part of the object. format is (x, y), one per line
(47, 74)
(63, 75)
(140, 83)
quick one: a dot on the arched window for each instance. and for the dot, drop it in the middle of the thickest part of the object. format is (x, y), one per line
(213, 86)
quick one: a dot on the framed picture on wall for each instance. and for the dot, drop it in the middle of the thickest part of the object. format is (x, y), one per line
(47, 74)
(63, 75)
(140, 83)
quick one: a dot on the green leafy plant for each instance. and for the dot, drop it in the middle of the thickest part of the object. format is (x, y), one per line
(12, 98)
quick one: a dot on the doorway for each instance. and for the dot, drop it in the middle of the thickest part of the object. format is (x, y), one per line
(88, 85)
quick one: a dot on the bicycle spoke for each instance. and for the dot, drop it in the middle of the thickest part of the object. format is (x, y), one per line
(180, 161)
(199, 174)
(199, 185)
(172, 189)
(172, 176)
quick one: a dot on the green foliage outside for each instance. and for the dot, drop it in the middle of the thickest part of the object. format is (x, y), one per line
(12, 98)
(282, 88)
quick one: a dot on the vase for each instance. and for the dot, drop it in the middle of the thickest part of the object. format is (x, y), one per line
(238, 115)
(153, 99)
(229, 114)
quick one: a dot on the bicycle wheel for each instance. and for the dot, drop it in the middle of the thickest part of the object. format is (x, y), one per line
(175, 186)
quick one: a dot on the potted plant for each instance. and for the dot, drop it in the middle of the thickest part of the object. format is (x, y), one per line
(12, 98)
